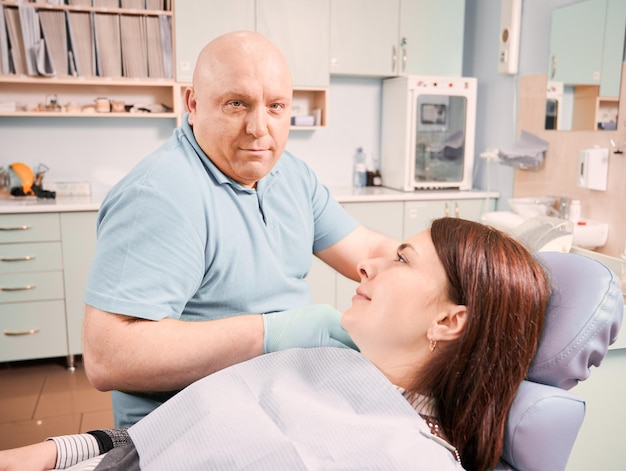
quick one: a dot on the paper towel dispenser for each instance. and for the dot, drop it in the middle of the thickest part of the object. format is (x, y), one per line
(593, 168)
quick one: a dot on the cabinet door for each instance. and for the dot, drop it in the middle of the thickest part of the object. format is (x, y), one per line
(78, 239)
(433, 33)
(300, 28)
(385, 217)
(363, 37)
(418, 215)
(576, 38)
(197, 23)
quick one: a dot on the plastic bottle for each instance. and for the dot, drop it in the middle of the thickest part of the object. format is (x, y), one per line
(574, 211)
(359, 179)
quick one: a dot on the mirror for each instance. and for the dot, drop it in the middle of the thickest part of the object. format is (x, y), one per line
(585, 64)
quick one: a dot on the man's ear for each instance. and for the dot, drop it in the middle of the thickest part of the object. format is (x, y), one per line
(449, 324)
(190, 99)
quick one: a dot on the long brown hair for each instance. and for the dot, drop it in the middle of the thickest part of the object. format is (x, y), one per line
(474, 379)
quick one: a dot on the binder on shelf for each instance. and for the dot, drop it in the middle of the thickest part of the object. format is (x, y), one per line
(54, 33)
(155, 5)
(134, 46)
(106, 3)
(79, 3)
(5, 64)
(167, 48)
(17, 57)
(133, 4)
(81, 43)
(108, 45)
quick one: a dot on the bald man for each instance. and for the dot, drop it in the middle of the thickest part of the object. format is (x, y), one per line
(217, 226)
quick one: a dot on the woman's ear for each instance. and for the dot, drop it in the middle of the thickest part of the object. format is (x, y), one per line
(449, 324)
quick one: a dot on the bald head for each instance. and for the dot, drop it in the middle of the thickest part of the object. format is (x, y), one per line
(239, 52)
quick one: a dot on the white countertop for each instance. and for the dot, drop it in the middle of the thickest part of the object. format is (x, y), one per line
(373, 194)
(30, 204)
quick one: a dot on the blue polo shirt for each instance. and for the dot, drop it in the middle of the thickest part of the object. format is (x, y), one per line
(177, 238)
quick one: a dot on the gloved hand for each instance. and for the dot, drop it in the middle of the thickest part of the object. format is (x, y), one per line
(316, 325)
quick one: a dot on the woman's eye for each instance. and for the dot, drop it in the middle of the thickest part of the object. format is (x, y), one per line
(400, 258)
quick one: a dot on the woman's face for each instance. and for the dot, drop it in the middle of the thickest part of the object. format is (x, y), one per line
(399, 299)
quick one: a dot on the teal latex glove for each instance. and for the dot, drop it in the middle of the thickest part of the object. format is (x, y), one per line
(316, 325)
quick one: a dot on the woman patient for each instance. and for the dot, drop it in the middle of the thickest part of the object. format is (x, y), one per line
(452, 319)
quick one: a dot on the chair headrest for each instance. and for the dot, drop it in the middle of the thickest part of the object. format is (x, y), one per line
(583, 318)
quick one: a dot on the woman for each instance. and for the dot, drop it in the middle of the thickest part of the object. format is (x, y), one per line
(453, 320)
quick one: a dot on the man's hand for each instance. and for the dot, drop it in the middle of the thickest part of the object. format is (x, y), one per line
(317, 325)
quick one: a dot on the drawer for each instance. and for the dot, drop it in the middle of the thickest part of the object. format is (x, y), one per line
(32, 330)
(26, 227)
(40, 256)
(18, 287)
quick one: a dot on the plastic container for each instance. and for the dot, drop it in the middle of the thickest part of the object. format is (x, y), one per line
(574, 211)
(359, 179)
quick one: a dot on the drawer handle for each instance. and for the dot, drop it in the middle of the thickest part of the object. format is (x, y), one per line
(18, 288)
(26, 258)
(19, 334)
(16, 228)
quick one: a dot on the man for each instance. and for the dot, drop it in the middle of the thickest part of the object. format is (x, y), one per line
(218, 225)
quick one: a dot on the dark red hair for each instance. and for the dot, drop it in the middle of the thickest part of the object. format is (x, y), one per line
(473, 380)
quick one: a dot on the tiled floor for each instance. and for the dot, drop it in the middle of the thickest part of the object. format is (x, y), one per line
(42, 398)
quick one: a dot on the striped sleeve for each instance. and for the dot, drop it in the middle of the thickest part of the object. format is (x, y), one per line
(72, 449)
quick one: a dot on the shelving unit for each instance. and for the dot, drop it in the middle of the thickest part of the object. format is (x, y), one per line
(29, 93)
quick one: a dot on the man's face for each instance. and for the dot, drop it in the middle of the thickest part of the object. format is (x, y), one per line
(240, 113)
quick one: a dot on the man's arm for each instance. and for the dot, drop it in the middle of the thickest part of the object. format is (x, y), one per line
(361, 244)
(131, 354)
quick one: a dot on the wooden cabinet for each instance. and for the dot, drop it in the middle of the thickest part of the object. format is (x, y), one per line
(44, 266)
(75, 97)
(397, 37)
(69, 88)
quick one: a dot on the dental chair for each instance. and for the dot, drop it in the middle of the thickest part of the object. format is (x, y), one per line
(583, 318)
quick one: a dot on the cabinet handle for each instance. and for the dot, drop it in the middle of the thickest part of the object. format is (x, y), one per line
(19, 334)
(457, 211)
(15, 228)
(394, 57)
(404, 53)
(554, 64)
(26, 258)
(447, 210)
(18, 288)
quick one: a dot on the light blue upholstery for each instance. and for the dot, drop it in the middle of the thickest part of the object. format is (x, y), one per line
(583, 319)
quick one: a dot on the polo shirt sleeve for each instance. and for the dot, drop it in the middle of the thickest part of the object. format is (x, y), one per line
(149, 258)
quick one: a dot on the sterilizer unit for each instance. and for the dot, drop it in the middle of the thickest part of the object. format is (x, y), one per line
(428, 127)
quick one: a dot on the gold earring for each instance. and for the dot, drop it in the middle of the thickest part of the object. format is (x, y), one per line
(432, 344)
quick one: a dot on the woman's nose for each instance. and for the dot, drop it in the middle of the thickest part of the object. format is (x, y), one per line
(365, 269)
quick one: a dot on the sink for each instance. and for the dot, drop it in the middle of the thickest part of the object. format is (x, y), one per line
(589, 234)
